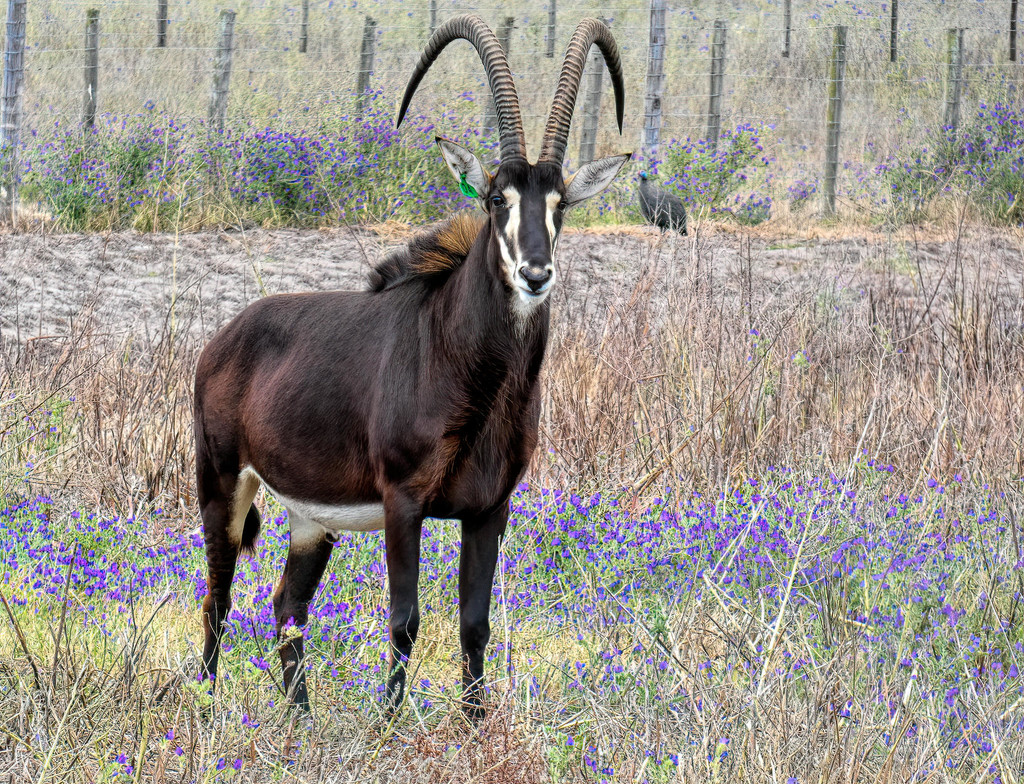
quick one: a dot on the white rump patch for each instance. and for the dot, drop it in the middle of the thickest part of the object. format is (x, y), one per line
(246, 485)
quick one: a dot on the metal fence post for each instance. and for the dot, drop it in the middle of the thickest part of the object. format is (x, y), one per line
(717, 82)
(787, 23)
(92, 66)
(366, 61)
(304, 28)
(894, 17)
(1013, 31)
(161, 23)
(10, 106)
(655, 80)
(837, 72)
(222, 72)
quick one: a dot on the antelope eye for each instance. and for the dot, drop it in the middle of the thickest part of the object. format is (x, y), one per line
(497, 201)
(562, 205)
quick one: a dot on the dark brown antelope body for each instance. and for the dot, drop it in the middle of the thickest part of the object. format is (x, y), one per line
(417, 398)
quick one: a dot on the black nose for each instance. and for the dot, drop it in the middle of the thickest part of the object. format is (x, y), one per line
(535, 277)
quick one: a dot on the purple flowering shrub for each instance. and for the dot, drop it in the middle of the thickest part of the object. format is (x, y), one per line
(151, 172)
(104, 177)
(802, 193)
(726, 180)
(148, 171)
(913, 591)
(983, 160)
(349, 169)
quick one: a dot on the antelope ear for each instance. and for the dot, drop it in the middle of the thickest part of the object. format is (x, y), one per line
(593, 177)
(472, 177)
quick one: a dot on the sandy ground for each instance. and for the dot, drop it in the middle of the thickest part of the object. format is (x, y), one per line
(133, 283)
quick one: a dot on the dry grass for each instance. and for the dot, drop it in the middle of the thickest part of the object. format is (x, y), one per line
(903, 350)
(917, 366)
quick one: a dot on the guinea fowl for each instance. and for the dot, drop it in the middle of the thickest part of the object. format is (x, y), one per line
(660, 207)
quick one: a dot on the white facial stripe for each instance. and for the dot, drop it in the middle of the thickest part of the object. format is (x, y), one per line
(506, 256)
(510, 235)
(549, 217)
(512, 199)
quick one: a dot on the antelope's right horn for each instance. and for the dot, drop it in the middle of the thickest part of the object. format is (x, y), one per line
(506, 102)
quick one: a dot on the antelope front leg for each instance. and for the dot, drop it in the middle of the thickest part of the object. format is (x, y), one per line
(480, 539)
(402, 526)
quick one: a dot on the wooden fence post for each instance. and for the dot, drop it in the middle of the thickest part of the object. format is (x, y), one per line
(490, 122)
(894, 19)
(433, 16)
(1013, 31)
(92, 66)
(505, 33)
(717, 82)
(837, 72)
(954, 76)
(551, 29)
(222, 72)
(304, 28)
(10, 107)
(161, 23)
(366, 61)
(655, 80)
(787, 23)
(591, 106)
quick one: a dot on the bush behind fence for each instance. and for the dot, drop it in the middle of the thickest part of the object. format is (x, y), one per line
(903, 70)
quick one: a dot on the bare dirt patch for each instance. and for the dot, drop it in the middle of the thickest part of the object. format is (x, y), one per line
(131, 282)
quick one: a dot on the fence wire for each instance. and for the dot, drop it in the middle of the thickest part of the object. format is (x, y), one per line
(274, 84)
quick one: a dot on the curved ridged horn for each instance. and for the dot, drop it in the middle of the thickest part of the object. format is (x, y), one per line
(556, 132)
(506, 102)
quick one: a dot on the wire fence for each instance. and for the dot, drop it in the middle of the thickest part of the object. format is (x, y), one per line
(274, 83)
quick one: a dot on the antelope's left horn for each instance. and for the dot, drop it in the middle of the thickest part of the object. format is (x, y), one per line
(556, 133)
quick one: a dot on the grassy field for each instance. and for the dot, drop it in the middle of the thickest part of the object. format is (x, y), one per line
(773, 529)
(796, 628)
(773, 534)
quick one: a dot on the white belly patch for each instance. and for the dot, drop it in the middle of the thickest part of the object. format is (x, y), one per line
(310, 520)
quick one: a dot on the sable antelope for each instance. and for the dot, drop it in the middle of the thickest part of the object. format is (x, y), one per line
(418, 398)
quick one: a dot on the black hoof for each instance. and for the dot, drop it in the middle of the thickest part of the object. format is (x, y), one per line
(474, 711)
(394, 696)
(160, 692)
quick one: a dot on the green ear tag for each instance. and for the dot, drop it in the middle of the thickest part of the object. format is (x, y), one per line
(466, 189)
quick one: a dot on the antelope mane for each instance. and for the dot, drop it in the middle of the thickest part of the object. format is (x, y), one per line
(432, 255)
